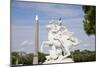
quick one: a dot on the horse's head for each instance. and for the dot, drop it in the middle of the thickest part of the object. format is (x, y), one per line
(50, 26)
(54, 26)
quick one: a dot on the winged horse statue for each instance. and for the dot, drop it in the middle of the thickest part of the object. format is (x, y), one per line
(60, 40)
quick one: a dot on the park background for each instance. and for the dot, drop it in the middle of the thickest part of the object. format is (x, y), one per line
(73, 17)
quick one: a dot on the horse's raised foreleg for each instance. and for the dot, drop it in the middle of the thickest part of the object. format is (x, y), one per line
(46, 44)
(43, 44)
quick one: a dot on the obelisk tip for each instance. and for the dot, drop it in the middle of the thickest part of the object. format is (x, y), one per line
(36, 17)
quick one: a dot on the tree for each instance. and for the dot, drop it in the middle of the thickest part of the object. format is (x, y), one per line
(84, 56)
(17, 58)
(41, 57)
(14, 58)
(89, 21)
(28, 59)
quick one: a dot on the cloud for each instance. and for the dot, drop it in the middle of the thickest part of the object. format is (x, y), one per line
(26, 42)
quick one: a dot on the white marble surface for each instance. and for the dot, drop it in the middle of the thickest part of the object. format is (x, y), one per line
(67, 60)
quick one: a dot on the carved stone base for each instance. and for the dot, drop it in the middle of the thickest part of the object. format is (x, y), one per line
(67, 60)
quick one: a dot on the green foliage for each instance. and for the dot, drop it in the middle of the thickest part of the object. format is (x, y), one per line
(89, 19)
(14, 57)
(13, 60)
(84, 56)
(27, 59)
(41, 57)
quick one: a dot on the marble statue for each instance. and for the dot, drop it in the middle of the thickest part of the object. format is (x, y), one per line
(60, 40)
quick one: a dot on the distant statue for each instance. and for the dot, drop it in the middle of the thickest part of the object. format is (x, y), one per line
(59, 40)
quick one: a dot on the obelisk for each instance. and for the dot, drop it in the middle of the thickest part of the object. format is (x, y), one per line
(36, 42)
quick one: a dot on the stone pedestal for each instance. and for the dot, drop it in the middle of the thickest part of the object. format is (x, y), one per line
(66, 60)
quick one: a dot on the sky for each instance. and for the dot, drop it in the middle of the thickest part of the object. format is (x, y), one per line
(23, 20)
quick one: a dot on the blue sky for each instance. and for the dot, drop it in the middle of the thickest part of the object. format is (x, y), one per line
(23, 20)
